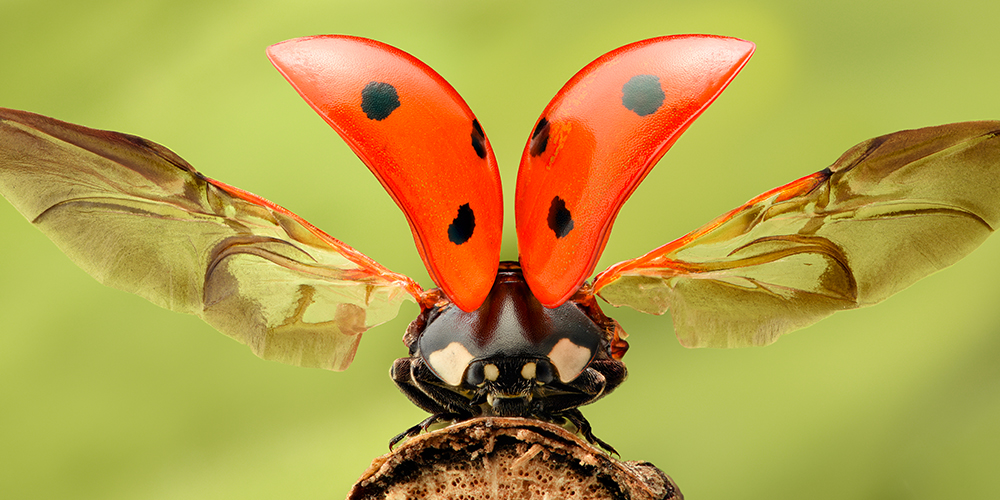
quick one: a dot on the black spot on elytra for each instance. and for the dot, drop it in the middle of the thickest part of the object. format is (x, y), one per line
(379, 100)
(643, 94)
(560, 220)
(478, 139)
(539, 138)
(462, 227)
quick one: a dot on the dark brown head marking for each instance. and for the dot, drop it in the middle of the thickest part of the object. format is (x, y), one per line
(643, 94)
(379, 100)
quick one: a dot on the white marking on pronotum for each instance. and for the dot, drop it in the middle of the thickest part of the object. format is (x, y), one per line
(450, 363)
(528, 370)
(569, 359)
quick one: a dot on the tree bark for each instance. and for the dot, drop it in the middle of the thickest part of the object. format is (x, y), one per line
(506, 458)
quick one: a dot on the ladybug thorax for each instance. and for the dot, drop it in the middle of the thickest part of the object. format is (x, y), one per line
(511, 340)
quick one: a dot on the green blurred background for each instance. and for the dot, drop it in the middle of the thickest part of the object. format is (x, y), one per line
(103, 395)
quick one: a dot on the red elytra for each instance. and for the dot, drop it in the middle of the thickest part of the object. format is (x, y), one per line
(594, 144)
(421, 141)
(596, 141)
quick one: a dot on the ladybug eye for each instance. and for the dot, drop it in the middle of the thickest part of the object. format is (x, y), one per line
(475, 376)
(543, 372)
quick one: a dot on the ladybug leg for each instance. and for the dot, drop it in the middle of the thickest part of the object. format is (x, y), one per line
(447, 399)
(614, 374)
(586, 388)
(576, 418)
(598, 380)
(419, 385)
(422, 426)
(401, 375)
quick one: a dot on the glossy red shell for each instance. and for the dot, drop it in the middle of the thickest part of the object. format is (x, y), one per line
(598, 139)
(421, 141)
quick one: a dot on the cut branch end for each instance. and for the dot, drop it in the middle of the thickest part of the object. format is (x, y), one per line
(506, 458)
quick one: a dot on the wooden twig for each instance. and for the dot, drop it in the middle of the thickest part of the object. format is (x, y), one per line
(506, 458)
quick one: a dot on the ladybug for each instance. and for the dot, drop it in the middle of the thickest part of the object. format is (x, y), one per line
(525, 338)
